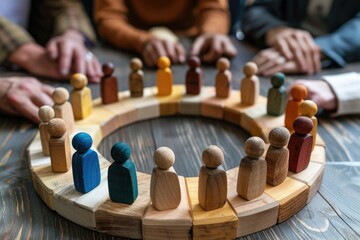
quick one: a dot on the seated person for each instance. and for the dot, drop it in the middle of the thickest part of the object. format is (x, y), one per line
(46, 38)
(303, 36)
(125, 24)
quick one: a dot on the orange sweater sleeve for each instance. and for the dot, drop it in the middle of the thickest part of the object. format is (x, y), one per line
(112, 22)
(212, 16)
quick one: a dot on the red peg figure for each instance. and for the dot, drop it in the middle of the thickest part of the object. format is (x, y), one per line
(223, 78)
(193, 76)
(136, 78)
(298, 93)
(165, 186)
(300, 144)
(212, 189)
(164, 78)
(308, 109)
(108, 84)
(250, 86)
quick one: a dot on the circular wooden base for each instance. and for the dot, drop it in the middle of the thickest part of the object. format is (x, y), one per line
(140, 220)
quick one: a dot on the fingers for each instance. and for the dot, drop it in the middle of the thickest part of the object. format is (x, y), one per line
(93, 70)
(214, 51)
(229, 48)
(197, 46)
(284, 49)
(22, 104)
(52, 50)
(180, 52)
(298, 54)
(65, 58)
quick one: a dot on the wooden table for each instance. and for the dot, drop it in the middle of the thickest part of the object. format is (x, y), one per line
(334, 213)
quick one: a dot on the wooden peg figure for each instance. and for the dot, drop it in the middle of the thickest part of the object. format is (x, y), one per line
(122, 179)
(277, 156)
(300, 144)
(108, 84)
(81, 100)
(46, 113)
(252, 170)
(223, 78)
(250, 86)
(298, 92)
(164, 77)
(308, 109)
(85, 164)
(277, 95)
(136, 78)
(193, 76)
(63, 108)
(212, 189)
(165, 186)
(59, 145)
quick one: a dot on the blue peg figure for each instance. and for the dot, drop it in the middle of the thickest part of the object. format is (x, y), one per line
(85, 164)
(277, 95)
(122, 180)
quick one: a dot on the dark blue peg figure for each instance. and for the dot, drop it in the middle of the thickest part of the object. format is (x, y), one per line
(122, 180)
(277, 95)
(85, 164)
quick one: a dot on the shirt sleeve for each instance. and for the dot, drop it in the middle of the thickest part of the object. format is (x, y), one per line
(12, 37)
(347, 90)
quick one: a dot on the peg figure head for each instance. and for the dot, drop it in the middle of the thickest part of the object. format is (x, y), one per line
(254, 147)
(279, 137)
(136, 64)
(82, 142)
(60, 95)
(163, 62)
(222, 64)
(164, 158)
(212, 156)
(108, 68)
(250, 69)
(46, 113)
(120, 152)
(308, 108)
(298, 92)
(56, 127)
(193, 62)
(78, 81)
(278, 79)
(303, 125)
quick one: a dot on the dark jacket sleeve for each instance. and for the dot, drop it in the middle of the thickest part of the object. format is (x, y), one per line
(343, 45)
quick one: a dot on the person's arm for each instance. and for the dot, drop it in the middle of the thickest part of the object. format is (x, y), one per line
(342, 45)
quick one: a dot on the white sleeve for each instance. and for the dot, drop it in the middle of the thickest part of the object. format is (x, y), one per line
(346, 87)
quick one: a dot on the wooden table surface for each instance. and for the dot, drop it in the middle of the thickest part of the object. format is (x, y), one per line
(334, 213)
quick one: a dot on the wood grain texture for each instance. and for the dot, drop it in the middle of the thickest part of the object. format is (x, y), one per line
(169, 104)
(81, 101)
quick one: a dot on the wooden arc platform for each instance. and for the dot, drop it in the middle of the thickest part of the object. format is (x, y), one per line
(237, 218)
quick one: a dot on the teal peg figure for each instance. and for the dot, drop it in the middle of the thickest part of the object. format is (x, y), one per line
(122, 180)
(277, 95)
(85, 164)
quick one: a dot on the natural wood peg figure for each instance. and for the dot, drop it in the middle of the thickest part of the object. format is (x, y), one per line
(297, 93)
(59, 145)
(277, 95)
(136, 78)
(81, 99)
(277, 156)
(164, 77)
(250, 86)
(85, 164)
(223, 78)
(165, 186)
(193, 80)
(252, 170)
(212, 189)
(300, 144)
(122, 179)
(308, 109)
(46, 113)
(63, 108)
(108, 84)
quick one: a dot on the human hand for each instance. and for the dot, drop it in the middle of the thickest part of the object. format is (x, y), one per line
(155, 48)
(320, 93)
(213, 46)
(297, 45)
(270, 61)
(22, 96)
(72, 55)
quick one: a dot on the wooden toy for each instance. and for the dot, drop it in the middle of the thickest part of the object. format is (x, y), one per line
(122, 175)
(298, 93)
(81, 100)
(164, 187)
(59, 145)
(193, 80)
(212, 179)
(308, 109)
(136, 78)
(63, 108)
(276, 95)
(46, 113)
(300, 144)
(250, 86)
(164, 77)
(252, 170)
(236, 218)
(277, 156)
(223, 78)
(108, 84)
(85, 164)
